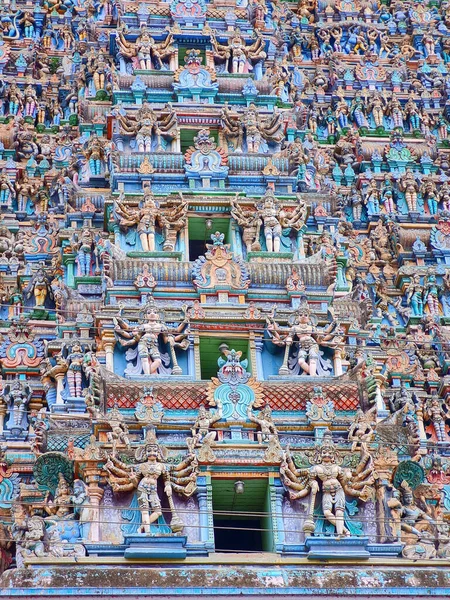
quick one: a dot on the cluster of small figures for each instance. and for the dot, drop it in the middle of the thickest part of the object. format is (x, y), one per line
(337, 72)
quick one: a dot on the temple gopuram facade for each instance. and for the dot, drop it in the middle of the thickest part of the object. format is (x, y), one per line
(224, 299)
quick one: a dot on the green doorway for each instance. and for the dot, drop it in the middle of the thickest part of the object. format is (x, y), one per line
(242, 521)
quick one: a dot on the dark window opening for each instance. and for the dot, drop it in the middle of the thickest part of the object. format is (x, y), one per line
(242, 517)
(200, 230)
(196, 248)
(229, 538)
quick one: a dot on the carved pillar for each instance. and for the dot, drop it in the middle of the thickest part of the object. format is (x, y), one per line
(2, 417)
(59, 388)
(421, 426)
(259, 373)
(338, 356)
(109, 344)
(252, 353)
(69, 262)
(284, 369)
(185, 234)
(276, 496)
(300, 244)
(381, 406)
(202, 497)
(177, 143)
(91, 474)
(198, 371)
(191, 356)
(236, 244)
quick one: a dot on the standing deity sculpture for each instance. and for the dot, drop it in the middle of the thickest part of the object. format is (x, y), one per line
(74, 372)
(99, 70)
(437, 412)
(409, 186)
(83, 244)
(252, 129)
(372, 198)
(95, 154)
(150, 55)
(302, 339)
(431, 293)
(152, 466)
(146, 218)
(414, 296)
(149, 130)
(264, 420)
(17, 396)
(150, 336)
(250, 222)
(26, 192)
(327, 478)
(7, 191)
(377, 108)
(271, 218)
(239, 56)
(174, 220)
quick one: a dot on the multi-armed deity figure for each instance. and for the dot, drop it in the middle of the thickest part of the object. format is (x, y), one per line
(173, 219)
(146, 127)
(237, 53)
(269, 216)
(303, 335)
(152, 466)
(150, 55)
(328, 478)
(146, 218)
(250, 127)
(150, 335)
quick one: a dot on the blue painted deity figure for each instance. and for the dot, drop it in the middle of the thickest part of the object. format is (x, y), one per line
(372, 199)
(414, 296)
(357, 111)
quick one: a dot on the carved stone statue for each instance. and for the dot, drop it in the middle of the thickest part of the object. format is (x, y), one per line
(149, 129)
(39, 287)
(74, 372)
(201, 430)
(148, 335)
(119, 429)
(237, 53)
(304, 335)
(144, 475)
(436, 410)
(267, 428)
(145, 218)
(150, 55)
(412, 525)
(328, 478)
(17, 396)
